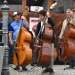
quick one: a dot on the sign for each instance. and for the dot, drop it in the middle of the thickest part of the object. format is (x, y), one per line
(36, 8)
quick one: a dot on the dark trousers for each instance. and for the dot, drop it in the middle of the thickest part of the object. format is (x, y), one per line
(10, 54)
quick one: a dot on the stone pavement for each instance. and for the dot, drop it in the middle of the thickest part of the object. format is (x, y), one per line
(58, 70)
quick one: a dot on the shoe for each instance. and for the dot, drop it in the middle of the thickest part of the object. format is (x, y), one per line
(24, 68)
(18, 68)
(71, 66)
(48, 70)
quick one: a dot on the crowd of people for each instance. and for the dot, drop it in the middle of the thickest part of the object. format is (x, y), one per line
(44, 17)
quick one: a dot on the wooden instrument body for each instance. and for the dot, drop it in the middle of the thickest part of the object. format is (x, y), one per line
(23, 52)
(47, 52)
(69, 42)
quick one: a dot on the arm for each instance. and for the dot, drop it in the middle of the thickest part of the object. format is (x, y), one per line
(64, 25)
(25, 24)
(10, 38)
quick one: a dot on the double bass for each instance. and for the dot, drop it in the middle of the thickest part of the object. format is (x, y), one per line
(23, 52)
(46, 50)
(69, 43)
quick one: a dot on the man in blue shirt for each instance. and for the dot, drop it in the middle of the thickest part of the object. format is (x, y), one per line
(13, 32)
(15, 27)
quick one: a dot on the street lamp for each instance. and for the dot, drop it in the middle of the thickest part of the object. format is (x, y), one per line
(5, 1)
(5, 8)
(5, 4)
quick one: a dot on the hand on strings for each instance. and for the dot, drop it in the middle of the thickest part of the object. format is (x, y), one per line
(11, 43)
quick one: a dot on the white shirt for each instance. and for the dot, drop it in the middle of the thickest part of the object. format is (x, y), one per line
(42, 26)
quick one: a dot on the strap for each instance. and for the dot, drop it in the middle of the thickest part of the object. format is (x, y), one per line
(37, 37)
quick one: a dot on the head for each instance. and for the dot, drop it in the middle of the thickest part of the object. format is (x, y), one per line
(69, 13)
(42, 15)
(48, 14)
(17, 15)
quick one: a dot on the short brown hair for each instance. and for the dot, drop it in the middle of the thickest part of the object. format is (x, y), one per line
(42, 12)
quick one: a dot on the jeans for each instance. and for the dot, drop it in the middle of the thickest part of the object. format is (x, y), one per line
(10, 54)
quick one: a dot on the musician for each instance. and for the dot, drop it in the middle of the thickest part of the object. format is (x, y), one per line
(40, 26)
(50, 20)
(70, 18)
(38, 34)
(40, 30)
(13, 30)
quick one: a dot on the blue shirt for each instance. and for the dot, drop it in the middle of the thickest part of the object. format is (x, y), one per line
(15, 27)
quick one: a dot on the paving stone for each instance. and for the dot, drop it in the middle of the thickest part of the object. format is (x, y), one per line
(58, 70)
